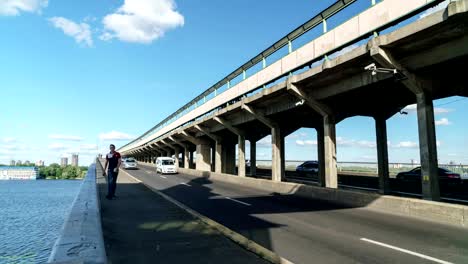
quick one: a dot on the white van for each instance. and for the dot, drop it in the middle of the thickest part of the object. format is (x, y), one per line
(165, 165)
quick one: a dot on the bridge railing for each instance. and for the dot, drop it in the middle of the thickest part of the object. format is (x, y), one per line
(81, 239)
(370, 168)
(368, 18)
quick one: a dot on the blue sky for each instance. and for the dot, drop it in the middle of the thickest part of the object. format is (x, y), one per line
(77, 76)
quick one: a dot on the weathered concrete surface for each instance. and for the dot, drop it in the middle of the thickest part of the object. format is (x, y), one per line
(143, 227)
(81, 239)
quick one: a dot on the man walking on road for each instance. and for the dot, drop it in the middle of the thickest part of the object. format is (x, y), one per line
(114, 161)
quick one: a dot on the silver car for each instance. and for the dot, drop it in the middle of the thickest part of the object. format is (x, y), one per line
(129, 163)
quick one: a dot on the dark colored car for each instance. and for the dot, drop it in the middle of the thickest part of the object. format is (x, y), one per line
(308, 167)
(445, 176)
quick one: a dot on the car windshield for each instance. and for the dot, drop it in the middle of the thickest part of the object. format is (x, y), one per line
(129, 160)
(167, 162)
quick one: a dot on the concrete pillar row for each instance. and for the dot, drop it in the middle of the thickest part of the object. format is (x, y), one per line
(382, 154)
(428, 148)
(241, 153)
(277, 163)
(203, 157)
(329, 141)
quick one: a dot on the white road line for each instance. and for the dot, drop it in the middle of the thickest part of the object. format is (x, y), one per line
(164, 177)
(133, 177)
(237, 201)
(186, 184)
(406, 251)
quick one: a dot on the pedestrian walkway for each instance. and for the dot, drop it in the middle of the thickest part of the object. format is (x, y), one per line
(140, 226)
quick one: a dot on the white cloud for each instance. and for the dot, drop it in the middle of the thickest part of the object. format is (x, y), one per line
(9, 140)
(14, 7)
(300, 142)
(115, 135)
(407, 144)
(442, 110)
(366, 144)
(437, 110)
(434, 9)
(10, 147)
(57, 146)
(264, 142)
(142, 21)
(89, 147)
(442, 122)
(306, 142)
(80, 32)
(65, 137)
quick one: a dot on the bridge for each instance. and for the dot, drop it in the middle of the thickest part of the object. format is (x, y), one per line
(373, 64)
(359, 68)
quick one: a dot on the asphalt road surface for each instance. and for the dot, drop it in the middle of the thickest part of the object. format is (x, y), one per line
(312, 231)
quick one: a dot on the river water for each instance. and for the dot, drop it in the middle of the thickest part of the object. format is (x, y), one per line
(31, 216)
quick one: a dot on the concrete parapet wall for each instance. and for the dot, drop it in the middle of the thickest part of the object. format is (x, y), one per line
(425, 210)
(81, 239)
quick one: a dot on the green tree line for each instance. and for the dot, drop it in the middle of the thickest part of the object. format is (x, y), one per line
(55, 171)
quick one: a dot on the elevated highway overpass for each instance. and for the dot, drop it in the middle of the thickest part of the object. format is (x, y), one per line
(362, 67)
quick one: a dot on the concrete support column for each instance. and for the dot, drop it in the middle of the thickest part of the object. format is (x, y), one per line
(186, 158)
(253, 157)
(241, 152)
(382, 154)
(203, 157)
(428, 148)
(229, 158)
(218, 157)
(213, 158)
(277, 162)
(177, 152)
(321, 156)
(329, 139)
(191, 164)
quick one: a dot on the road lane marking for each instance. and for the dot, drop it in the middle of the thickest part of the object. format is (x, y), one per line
(186, 184)
(133, 177)
(237, 201)
(406, 251)
(164, 177)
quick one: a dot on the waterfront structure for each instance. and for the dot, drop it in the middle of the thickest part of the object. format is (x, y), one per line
(64, 162)
(18, 173)
(40, 163)
(75, 160)
(12, 163)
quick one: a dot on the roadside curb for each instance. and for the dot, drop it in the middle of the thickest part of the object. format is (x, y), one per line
(239, 239)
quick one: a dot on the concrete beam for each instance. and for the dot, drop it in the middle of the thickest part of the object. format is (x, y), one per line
(320, 108)
(259, 116)
(229, 126)
(205, 131)
(386, 60)
(192, 139)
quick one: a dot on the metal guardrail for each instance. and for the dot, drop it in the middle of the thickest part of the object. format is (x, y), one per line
(372, 167)
(320, 19)
(81, 239)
